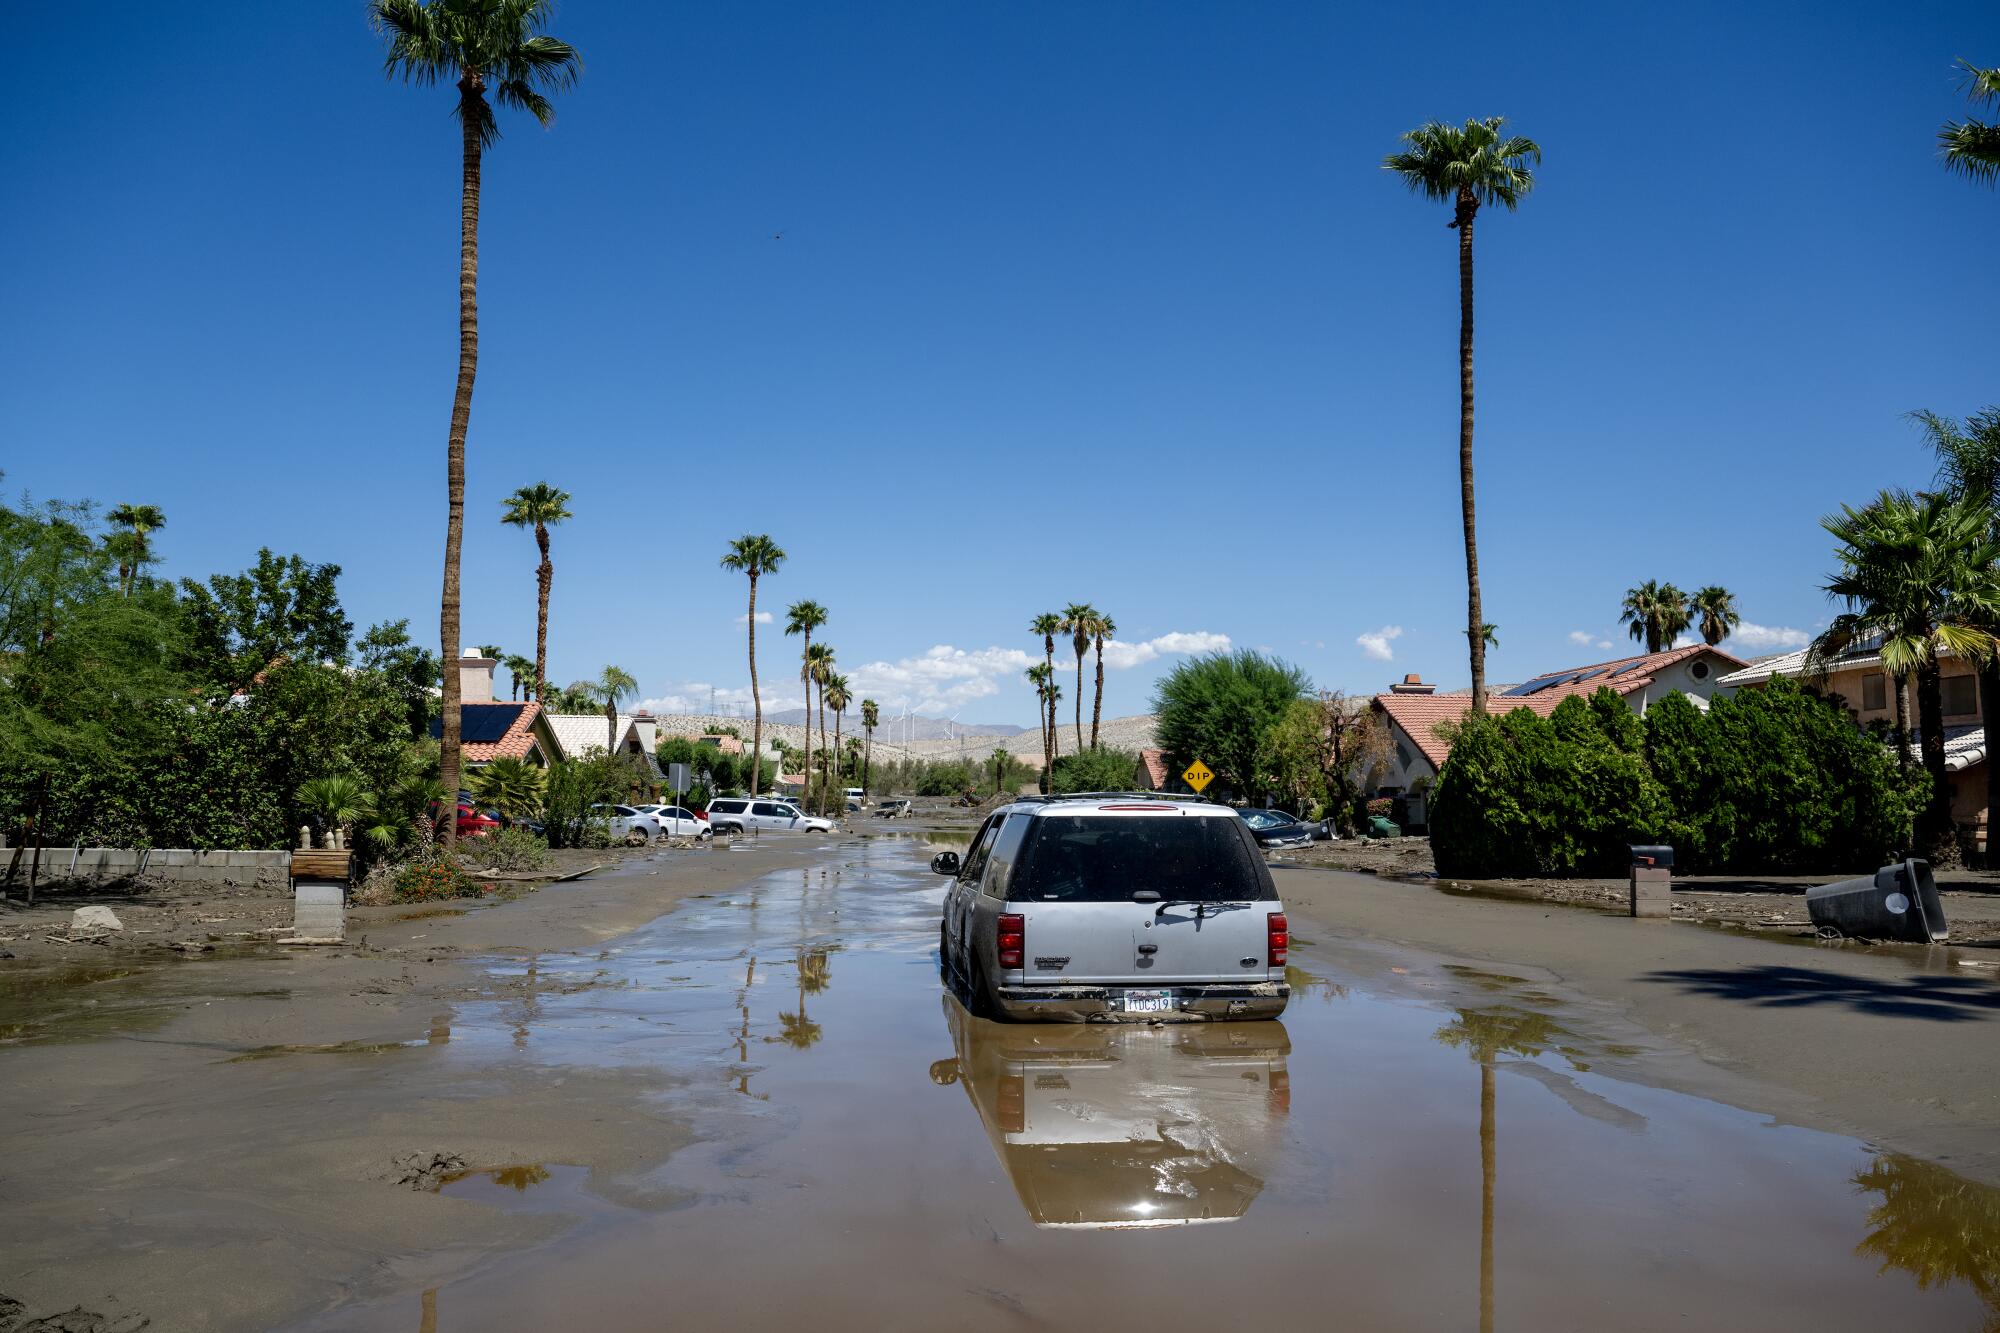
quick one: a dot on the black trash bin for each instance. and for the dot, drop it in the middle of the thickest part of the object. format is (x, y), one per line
(1898, 902)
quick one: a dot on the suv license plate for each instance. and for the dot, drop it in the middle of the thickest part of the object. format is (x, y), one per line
(1148, 1002)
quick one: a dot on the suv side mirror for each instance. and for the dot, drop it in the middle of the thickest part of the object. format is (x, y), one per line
(944, 863)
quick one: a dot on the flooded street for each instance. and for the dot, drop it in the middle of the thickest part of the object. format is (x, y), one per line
(1445, 1152)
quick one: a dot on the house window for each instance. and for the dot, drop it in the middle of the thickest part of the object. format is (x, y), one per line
(1961, 695)
(1875, 691)
(1402, 754)
(1699, 671)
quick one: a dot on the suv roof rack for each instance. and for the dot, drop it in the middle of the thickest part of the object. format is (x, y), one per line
(1120, 795)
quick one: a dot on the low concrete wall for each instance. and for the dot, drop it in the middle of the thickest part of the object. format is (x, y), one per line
(103, 865)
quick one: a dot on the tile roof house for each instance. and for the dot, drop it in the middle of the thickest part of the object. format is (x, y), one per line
(1156, 773)
(492, 729)
(1413, 709)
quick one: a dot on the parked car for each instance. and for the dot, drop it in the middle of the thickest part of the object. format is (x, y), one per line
(856, 798)
(742, 814)
(1116, 908)
(471, 820)
(1275, 828)
(677, 821)
(892, 807)
(628, 823)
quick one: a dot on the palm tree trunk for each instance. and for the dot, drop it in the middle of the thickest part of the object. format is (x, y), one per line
(470, 87)
(1475, 617)
(1097, 699)
(1079, 701)
(824, 758)
(1989, 706)
(1935, 837)
(756, 699)
(545, 577)
(867, 755)
(1903, 723)
(806, 675)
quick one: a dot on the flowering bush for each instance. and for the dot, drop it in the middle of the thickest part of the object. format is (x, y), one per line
(432, 881)
(1381, 805)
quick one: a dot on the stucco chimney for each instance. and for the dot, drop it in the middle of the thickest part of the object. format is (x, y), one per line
(1412, 683)
(475, 678)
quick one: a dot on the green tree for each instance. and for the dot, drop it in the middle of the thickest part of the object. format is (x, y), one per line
(1655, 614)
(283, 609)
(1102, 627)
(139, 523)
(871, 717)
(1048, 625)
(541, 507)
(1094, 770)
(478, 45)
(337, 801)
(1972, 147)
(612, 688)
(1324, 749)
(1713, 612)
(834, 694)
(1220, 708)
(1042, 675)
(521, 674)
(405, 668)
(813, 671)
(1467, 167)
(1968, 457)
(754, 556)
(514, 787)
(1916, 573)
(1079, 621)
(803, 618)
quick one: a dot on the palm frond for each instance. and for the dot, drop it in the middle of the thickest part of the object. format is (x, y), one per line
(1972, 149)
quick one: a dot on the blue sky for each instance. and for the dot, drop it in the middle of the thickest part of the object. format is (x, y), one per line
(979, 309)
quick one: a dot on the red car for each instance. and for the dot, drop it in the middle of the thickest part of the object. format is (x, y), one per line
(470, 821)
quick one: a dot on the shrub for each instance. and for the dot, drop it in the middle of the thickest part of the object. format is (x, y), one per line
(1220, 707)
(943, 779)
(1380, 805)
(506, 849)
(433, 880)
(1094, 770)
(574, 785)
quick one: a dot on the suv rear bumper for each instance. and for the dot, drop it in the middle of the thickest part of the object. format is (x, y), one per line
(1233, 1001)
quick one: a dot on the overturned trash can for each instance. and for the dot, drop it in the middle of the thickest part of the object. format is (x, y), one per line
(1898, 902)
(1652, 886)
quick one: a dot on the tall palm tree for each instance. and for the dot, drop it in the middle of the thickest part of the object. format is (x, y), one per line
(1077, 619)
(802, 618)
(522, 672)
(1048, 625)
(1041, 675)
(837, 698)
(1102, 627)
(1969, 467)
(1713, 612)
(138, 521)
(1655, 613)
(1916, 573)
(612, 688)
(477, 45)
(871, 717)
(1467, 166)
(1972, 147)
(814, 670)
(540, 506)
(755, 556)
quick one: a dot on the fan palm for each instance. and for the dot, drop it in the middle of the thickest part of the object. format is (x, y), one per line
(540, 506)
(871, 717)
(1969, 467)
(814, 669)
(1101, 628)
(1655, 613)
(1972, 147)
(339, 801)
(1713, 612)
(1048, 625)
(1041, 675)
(514, 787)
(837, 698)
(1916, 574)
(522, 673)
(1467, 167)
(756, 556)
(1077, 621)
(803, 618)
(138, 521)
(610, 689)
(477, 45)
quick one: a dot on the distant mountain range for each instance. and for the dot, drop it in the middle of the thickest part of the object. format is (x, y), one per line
(920, 728)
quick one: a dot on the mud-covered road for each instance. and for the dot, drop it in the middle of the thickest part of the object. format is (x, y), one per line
(760, 1110)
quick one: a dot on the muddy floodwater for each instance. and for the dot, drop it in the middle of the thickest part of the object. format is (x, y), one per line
(1443, 1153)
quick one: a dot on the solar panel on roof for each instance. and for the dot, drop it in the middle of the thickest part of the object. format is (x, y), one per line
(1594, 671)
(482, 724)
(1538, 683)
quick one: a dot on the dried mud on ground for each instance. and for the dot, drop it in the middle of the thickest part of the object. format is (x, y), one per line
(1773, 903)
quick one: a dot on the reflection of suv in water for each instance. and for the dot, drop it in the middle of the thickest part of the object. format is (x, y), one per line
(741, 814)
(1114, 907)
(1126, 1126)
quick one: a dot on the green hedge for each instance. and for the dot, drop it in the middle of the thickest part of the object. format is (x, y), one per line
(1772, 780)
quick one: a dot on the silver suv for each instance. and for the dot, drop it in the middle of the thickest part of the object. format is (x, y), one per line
(1110, 906)
(741, 814)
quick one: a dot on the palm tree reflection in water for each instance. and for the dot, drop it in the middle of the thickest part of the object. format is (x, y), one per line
(1935, 1225)
(1486, 1034)
(815, 971)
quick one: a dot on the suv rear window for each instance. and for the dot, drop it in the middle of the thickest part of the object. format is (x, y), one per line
(1107, 858)
(727, 807)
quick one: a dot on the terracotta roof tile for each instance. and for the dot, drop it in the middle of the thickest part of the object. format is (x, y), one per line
(515, 743)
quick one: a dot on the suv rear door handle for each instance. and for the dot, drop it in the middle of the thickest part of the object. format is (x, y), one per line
(1149, 948)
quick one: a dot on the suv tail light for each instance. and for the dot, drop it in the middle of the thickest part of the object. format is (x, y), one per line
(1280, 938)
(1010, 940)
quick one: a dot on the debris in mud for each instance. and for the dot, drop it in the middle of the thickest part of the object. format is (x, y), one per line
(427, 1170)
(78, 1320)
(94, 917)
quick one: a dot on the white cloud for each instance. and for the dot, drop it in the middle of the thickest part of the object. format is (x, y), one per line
(763, 618)
(695, 697)
(1376, 643)
(1582, 638)
(1747, 635)
(942, 680)
(1606, 643)
(1119, 654)
(1688, 640)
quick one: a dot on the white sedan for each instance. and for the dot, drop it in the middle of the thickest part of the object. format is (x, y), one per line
(628, 824)
(677, 821)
